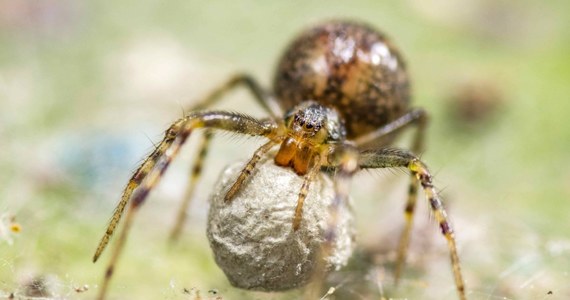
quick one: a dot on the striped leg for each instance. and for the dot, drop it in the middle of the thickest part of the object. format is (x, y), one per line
(309, 177)
(194, 176)
(393, 158)
(263, 98)
(404, 241)
(150, 172)
(248, 169)
(403, 244)
(416, 117)
(345, 160)
(147, 176)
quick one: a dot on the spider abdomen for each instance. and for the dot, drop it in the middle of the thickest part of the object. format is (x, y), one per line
(348, 66)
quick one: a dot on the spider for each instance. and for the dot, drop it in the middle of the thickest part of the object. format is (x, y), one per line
(341, 96)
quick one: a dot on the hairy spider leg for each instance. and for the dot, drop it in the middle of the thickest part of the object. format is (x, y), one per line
(418, 118)
(394, 158)
(135, 180)
(307, 180)
(195, 173)
(150, 172)
(344, 158)
(420, 121)
(146, 176)
(415, 117)
(248, 169)
(265, 99)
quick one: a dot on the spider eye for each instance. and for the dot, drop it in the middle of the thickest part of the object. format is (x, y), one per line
(317, 127)
(309, 125)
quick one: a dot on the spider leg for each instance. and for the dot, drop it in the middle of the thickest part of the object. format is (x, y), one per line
(416, 117)
(394, 158)
(248, 169)
(262, 96)
(150, 172)
(193, 180)
(420, 121)
(344, 158)
(309, 177)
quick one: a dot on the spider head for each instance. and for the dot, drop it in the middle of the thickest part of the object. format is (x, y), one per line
(311, 122)
(310, 126)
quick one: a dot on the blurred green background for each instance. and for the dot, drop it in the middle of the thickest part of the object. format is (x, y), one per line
(87, 87)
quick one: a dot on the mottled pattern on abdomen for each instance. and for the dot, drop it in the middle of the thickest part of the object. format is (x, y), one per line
(348, 66)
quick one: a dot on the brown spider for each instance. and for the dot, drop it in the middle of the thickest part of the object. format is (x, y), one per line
(341, 96)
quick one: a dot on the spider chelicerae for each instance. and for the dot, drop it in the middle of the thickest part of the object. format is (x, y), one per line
(340, 98)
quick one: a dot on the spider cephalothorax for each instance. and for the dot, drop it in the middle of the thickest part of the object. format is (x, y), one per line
(341, 94)
(310, 127)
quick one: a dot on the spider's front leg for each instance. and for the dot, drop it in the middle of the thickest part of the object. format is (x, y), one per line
(248, 169)
(150, 172)
(394, 158)
(315, 166)
(262, 97)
